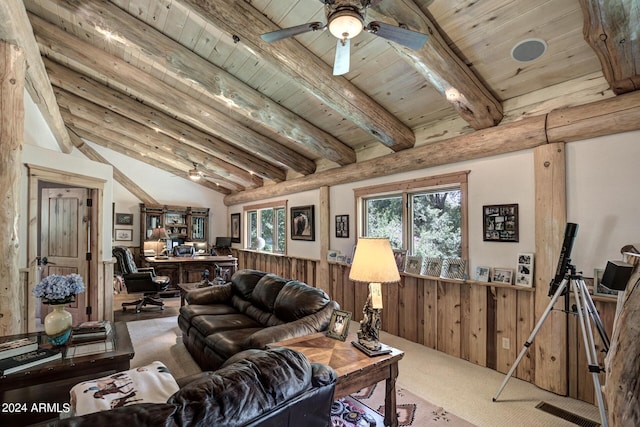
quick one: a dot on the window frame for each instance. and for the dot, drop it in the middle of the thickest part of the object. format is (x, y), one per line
(275, 205)
(413, 186)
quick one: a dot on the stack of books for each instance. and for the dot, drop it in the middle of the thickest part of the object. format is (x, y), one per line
(23, 353)
(95, 330)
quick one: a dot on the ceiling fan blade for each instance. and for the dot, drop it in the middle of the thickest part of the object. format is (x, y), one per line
(285, 33)
(342, 60)
(411, 39)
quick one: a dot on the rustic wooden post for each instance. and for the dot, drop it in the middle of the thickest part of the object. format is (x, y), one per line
(12, 75)
(550, 343)
(322, 281)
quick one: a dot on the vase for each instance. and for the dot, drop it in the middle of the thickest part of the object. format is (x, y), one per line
(57, 325)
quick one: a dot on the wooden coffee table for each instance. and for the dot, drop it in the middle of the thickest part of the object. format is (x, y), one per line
(49, 384)
(355, 369)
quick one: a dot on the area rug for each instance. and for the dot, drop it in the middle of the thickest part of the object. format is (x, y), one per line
(366, 409)
(171, 309)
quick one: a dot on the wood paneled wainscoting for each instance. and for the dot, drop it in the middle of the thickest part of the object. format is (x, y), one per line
(483, 323)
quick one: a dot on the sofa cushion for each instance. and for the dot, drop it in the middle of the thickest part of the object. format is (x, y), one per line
(243, 282)
(228, 343)
(190, 311)
(210, 324)
(244, 391)
(267, 290)
(297, 299)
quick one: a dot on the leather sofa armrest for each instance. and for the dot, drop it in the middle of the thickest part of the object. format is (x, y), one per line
(322, 375)
(210, 295)
(308, 325)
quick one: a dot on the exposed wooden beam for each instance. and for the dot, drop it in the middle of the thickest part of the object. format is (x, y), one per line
(611, 28)
(65, 48)
(310, 72)
(441, 67)
(157, 121)
(606, 117)
(156, 142)
(15, 27)
(134, 148)
(220, 87)
(118, 175)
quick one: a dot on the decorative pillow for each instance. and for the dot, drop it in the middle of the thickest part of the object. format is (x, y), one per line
(147, 384)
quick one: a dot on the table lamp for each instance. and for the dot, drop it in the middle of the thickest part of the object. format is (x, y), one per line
(373, 263)
(160, 234)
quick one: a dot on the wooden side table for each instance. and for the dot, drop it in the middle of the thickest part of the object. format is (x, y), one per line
(355, 369)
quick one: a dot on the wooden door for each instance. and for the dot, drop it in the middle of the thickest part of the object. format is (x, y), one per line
(64, 231)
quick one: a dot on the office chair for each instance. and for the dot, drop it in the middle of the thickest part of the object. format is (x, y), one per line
(138, 280)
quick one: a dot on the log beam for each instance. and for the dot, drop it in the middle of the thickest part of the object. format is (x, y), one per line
(12, 76)
(310, 72)
(221, 88)
(15, 26)
(611, 29)
(441, 67)
(89, 60)
(118, 175)
(609, 116)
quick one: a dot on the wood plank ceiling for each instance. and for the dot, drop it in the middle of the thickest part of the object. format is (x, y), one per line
(175, 83)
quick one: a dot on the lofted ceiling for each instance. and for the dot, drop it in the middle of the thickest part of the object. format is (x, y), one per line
(178, 83)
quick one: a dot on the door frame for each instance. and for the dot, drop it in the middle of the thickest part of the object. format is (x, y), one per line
(37, 174)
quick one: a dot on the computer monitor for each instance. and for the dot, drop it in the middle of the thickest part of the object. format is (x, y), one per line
(223, 242)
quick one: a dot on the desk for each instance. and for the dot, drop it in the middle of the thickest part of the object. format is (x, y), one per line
(189, 269)
(50, 383)
(355, 369)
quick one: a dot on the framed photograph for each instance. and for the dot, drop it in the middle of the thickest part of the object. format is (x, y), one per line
(302, 223)
(482, 273)
(124, 219)
(122, 234)
(414, 265)
(332, 256)
(342, 225)
(236, 229)
(453, 268)
(401, 258)
(432, 267)
(524, 270)
(599, 289)
(339, 325)
(502, 275)
(500, 223)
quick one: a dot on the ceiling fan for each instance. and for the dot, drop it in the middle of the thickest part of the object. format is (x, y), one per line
(345, 20)
(195, 174)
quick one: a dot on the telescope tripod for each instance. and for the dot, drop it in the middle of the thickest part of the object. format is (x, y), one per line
(583, 306)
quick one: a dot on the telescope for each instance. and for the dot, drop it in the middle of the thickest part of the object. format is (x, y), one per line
(570, 232)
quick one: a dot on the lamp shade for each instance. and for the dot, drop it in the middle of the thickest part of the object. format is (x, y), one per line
(374, 262)
(159, 233)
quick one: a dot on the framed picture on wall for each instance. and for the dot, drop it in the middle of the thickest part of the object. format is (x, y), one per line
(302, 223)
(342, 225)
(500, 223)
(123, 234)
(124, 219)
(235, 227)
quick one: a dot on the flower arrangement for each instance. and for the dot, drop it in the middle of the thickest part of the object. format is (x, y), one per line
(58, 289)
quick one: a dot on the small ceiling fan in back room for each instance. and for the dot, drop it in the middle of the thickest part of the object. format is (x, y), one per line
(345, 20)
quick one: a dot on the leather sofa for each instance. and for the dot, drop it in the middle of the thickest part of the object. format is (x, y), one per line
(257, 388)
(253, 310)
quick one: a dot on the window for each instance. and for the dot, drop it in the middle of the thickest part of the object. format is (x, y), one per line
(268, 223)
(427, 217)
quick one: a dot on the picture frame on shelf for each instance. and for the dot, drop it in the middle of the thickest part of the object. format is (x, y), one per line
(524, 270)
(453, 268)
(339, 325)
(342, 226)
(303, 223)
(236, 227)
(482, 273)
(500, 223)
(124, 219)
(125, 235)
(432, 267)
(598, 288)
(332, 256)
(400, 256)
(413, 264)
(502, 275)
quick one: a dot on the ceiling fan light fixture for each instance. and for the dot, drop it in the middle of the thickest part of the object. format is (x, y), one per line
(346, 24)
(194, 174)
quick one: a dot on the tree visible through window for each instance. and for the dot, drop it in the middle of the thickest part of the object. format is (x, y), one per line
(435, 226)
